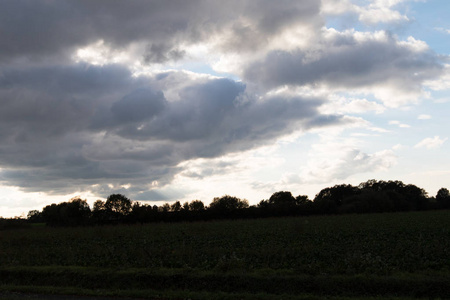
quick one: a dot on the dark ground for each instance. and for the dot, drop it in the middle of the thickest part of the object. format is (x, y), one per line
(24, 296)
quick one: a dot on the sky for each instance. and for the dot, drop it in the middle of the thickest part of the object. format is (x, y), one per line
(174, 100)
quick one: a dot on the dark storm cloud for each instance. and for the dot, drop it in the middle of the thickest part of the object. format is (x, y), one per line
(66, 128)
(52, 101)
(138, 106)
(45, 119)
(202, 110)
(41, 28)
(54, 29)
(211, 119)
(346, 61)
(161, 53)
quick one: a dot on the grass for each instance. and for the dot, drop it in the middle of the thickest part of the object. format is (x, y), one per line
(401, 255)
(52, 292)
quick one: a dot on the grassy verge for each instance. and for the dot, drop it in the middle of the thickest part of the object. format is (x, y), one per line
(283, 285)
(49, 293)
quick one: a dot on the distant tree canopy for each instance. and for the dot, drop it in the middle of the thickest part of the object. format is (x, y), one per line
(119, 204)
(443, 198)
(116, 209)
(282, 199)
(196, 205)
(330, 199)
(371, 196)
(284, 203)
(176, 206)
(72, 213)
(227, 204)
(35, 216)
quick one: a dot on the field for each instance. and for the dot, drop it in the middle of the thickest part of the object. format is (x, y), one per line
(395, 256)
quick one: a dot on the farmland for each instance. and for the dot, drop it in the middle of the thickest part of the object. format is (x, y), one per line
(397, 255)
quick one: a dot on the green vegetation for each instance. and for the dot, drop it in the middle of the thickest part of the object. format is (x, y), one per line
(397, 255)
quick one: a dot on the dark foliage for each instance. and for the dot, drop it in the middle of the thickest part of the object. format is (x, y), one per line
(284, 204)
(118, 204)
(72, 213)
(330, 200)
(35, 216)
(371, 196)
(13, 223)
(443, 198)
(227, 206)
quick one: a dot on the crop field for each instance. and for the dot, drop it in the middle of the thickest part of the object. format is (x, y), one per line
(394, 256)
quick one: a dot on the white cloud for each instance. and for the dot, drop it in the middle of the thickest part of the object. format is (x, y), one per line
(375, 63)
(349, 105)
(415, 45)
(398, 147)
(377, 11)
(399, 124)
(233, 174)
(15, 202)
(442, 100)
(336, 7)
(440, 83)
(444, 30)
(373, 15)
(336, 158)
(431, 143)
(100, 54)
(424, 117)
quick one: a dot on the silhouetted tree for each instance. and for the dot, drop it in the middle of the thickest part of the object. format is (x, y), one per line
(99, 213)
(330, 199)
(34, 216)
(368, 197)
(282, 203)
(77, 212)
(443, 198)
(377, 196)
(176, 206)
(302, 199)
(165, 208)
(51, 215)
(372, 185)
(282, 199)
(143, 213)
(366, 201)
(227, 205)
(305, 205)
(263, 204)
(72, 213)
(416, 196)
(119, 204)
(196, 205)
(98, 205)
(443, 193)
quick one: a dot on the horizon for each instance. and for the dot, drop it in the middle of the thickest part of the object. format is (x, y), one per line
(255, 204)
(166, 101)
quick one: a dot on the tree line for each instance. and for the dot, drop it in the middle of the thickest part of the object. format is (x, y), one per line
(371, 196)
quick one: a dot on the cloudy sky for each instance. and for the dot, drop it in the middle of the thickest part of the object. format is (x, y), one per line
(165, 100)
